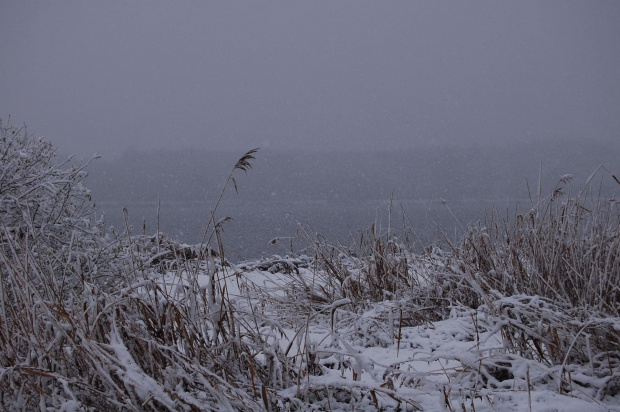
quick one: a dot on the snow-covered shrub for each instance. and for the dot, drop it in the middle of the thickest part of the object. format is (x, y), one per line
(44, 208)
(49, 248)
(90, 321)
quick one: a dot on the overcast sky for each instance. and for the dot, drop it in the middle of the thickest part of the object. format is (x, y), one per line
(104, 76)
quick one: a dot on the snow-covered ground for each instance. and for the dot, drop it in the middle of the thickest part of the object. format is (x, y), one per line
(373, 359)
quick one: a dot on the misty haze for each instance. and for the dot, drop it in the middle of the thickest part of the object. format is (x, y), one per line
(351, 103)
(310, 205)
(337, 195)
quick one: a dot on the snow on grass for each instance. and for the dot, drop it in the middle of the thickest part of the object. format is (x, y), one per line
(345, 355)
(521, 316)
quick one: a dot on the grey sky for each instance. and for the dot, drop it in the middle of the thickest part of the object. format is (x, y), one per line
(103, 76)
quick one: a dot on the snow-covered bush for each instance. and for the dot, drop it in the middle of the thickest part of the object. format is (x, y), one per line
(44, 208)
(89, 321)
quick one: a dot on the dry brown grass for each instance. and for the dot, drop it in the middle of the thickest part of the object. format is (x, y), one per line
(142, 323)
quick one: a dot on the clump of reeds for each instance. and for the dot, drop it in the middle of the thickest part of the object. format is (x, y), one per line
(565, 250)
(546, 280)
(119, 322)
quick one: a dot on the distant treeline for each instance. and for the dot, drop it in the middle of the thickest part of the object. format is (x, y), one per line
(452, 173)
